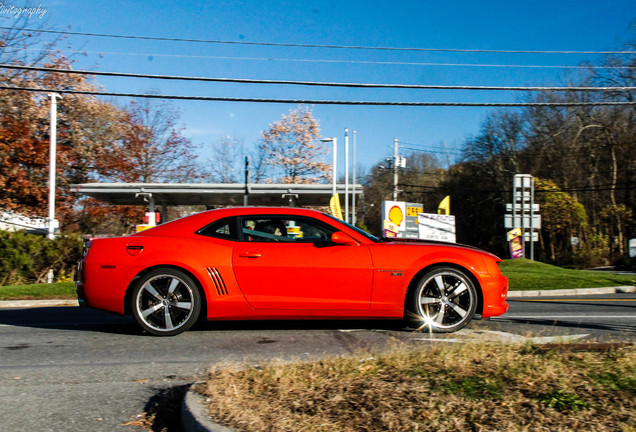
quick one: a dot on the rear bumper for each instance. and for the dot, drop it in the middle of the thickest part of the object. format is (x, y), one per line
(79, 289)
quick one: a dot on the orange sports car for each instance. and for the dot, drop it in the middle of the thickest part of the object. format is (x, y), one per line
(284, 263)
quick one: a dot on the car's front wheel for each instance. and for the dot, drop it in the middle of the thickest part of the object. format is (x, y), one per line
(166, 302)
(444, 300)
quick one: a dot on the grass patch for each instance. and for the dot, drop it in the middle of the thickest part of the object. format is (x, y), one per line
(526, 274)
(61, 290)
(563, 401)
(617, 382)
(458, 387)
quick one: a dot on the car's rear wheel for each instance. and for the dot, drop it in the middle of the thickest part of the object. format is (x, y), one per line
(166, 302)
(444, 300)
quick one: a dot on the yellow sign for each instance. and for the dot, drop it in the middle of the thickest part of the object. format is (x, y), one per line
(444, 206)
(334, 204)
(395, 215)
(514, 233)
(413, 211)
(515, 240)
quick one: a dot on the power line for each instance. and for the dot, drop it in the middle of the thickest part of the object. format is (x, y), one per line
(442, 152)
(599, 188)
(295, 45)
(312, 83)
(370, 62)
(428, 148)
(320, 102)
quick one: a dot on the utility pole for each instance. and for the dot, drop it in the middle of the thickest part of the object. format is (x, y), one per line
(52, 156)
(395, 169)
(247, 180)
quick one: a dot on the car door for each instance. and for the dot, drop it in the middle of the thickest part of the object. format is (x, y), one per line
(288, 262)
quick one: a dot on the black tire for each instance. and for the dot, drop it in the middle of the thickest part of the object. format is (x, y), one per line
(166, 302)
(444, 300)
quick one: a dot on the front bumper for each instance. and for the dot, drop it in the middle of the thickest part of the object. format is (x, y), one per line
(495, 295)
(495, 310)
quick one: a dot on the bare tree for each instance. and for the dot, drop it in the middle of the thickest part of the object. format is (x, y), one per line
(226, 162)
(291, 146)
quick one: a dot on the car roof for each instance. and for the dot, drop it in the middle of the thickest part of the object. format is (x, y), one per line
(189, 224)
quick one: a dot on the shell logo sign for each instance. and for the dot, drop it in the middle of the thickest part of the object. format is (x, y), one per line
(394, 216)
(408, 221)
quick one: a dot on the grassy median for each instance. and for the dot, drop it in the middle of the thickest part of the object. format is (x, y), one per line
(467, 387)
(525, 274)
(61, 290)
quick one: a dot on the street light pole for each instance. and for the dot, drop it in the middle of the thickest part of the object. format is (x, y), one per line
(346, 175)
(334, 140)
(353, 197)
(52, 157)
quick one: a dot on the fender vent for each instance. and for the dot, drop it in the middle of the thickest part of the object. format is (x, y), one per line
(221, 289)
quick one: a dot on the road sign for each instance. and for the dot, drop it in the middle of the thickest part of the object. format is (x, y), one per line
(525, 208)
(525, 222)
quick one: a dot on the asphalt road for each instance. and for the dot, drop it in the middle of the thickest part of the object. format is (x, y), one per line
(72, 369)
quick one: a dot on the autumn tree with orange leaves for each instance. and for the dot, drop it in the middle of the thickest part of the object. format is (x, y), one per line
(152, 148)
(96, 141)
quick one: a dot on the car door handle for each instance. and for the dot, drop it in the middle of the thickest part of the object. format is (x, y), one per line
(249, 255)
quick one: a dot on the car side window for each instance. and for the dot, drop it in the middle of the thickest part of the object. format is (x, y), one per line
(224, 229)
(285, 229)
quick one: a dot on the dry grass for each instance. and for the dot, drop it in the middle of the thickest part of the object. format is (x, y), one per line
(451, 388)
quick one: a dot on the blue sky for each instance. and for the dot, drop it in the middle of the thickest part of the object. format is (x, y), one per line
(493, 25)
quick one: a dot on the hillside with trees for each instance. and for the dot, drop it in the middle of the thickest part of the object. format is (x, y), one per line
(583, 157)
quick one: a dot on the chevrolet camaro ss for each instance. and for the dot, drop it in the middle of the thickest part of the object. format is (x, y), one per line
(284, 263)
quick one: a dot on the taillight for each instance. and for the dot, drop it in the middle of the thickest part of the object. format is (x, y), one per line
(87, 245)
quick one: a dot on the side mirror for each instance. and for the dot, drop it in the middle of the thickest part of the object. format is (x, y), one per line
(341, 238)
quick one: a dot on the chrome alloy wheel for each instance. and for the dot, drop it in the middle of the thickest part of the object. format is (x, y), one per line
(166, 302)
(445, 300)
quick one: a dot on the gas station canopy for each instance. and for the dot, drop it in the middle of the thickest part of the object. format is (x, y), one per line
(214, 194)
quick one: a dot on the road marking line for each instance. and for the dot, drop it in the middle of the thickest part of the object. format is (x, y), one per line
(564, 316)
(468, 335)
(577, 300)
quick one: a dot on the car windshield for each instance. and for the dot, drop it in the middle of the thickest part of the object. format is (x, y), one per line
(356, 229)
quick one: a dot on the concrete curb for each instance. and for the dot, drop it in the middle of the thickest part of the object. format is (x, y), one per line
(36, 303)
(572, 292)
(194, 416)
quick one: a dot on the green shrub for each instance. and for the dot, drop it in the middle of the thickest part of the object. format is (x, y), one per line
(28, 258)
